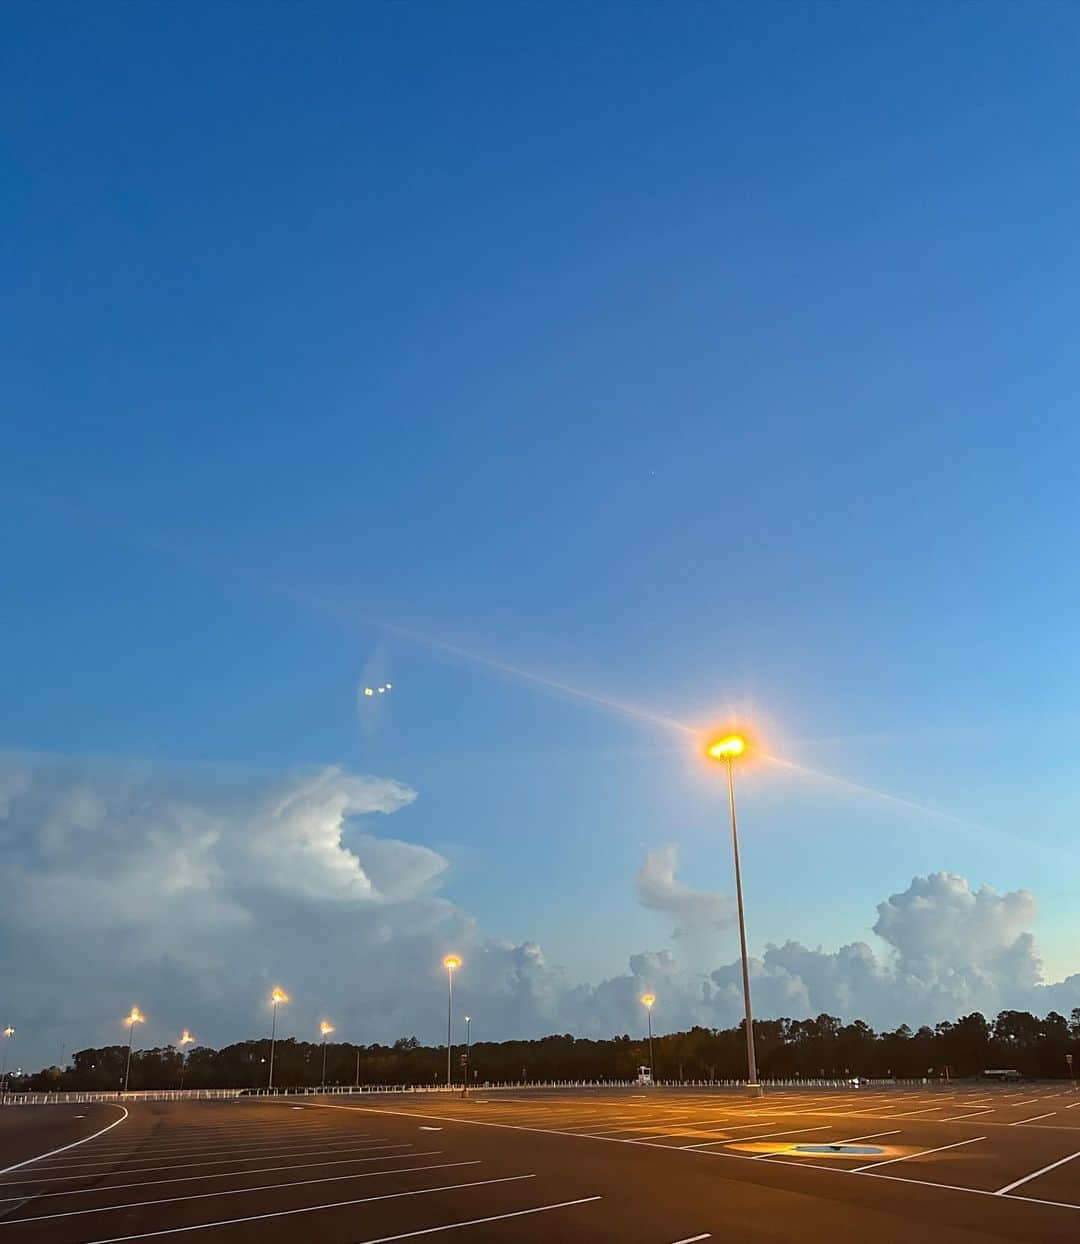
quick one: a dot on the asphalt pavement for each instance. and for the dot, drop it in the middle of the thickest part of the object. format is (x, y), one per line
(659, 1166)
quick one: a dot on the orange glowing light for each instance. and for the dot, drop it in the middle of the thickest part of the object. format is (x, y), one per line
(727, 748)
(186, 1039)
(648, 999)
(326, 1028)
(136, 1017)
(451, 962)
(278, 995)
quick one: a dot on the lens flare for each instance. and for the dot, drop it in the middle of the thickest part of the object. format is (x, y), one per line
(727, 748)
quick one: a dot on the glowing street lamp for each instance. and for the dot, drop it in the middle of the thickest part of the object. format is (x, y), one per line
(185, 1039)
(648, 999)
(728, 750)
(136, 1017)
(451, 963)
(8, 1033)
(277, 996)
(326, 1028)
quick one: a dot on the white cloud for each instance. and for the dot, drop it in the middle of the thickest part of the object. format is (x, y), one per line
(694, 912)
(192, 895)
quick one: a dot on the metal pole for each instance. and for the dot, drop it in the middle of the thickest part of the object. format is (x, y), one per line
(273, 1038)
(449, 1020)
(127, 1065)
(652, 1063)
(324, 1062)
(468, 1047)
(751, 1060)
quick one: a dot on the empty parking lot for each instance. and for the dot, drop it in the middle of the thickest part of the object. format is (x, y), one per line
(661, 1165)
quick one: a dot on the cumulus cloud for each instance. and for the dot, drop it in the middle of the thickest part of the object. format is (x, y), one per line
(693, 912)
(192, 894)
(949, 949)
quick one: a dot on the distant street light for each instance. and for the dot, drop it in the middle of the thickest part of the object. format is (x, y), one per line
(136, 1017)
(326, 1028)
(451, 963)
(648, 999)
(8, 1033)
(728, 750)
(185, 1039)
(277, 996)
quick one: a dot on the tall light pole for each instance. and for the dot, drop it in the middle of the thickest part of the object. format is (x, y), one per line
(728, 750)
(468, 1048)
(185, 1039)
(8, 1033)
(136, 1017)
(648, 999)
(326, 1028)
(451, 963)
(277, 995)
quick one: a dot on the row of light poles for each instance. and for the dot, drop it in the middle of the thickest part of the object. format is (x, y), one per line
(725, 750)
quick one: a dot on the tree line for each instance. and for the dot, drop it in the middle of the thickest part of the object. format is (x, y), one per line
(786, 1048)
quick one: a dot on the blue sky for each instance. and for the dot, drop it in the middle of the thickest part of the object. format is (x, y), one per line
(696, 356)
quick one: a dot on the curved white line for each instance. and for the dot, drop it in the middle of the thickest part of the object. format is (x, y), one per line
(74, 1144)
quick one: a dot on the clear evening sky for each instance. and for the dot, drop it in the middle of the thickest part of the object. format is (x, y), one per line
(710, 358)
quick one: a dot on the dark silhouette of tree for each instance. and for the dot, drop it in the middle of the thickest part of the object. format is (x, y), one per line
(786, 1049)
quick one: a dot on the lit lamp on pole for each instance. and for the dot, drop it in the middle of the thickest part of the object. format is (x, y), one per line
(648, 1000)
(8, 1033)
(451, 963)
(136, 1017)
(277, 997)
(185, 1039)
(326, 1028)
(728, 750)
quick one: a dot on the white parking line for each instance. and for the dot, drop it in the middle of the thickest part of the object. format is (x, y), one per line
(1034, 1174)
(453, 1226)
(1033, 1119)
(209, 1154)
(171, 1142)
(956, 1118)
(921, 1154)
(705, 1153)
(693, 1239)
(16, 1166)
(382, 1239)
(201, 1196)
(149, 1170)
(259, 1170)
(798, 1131)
